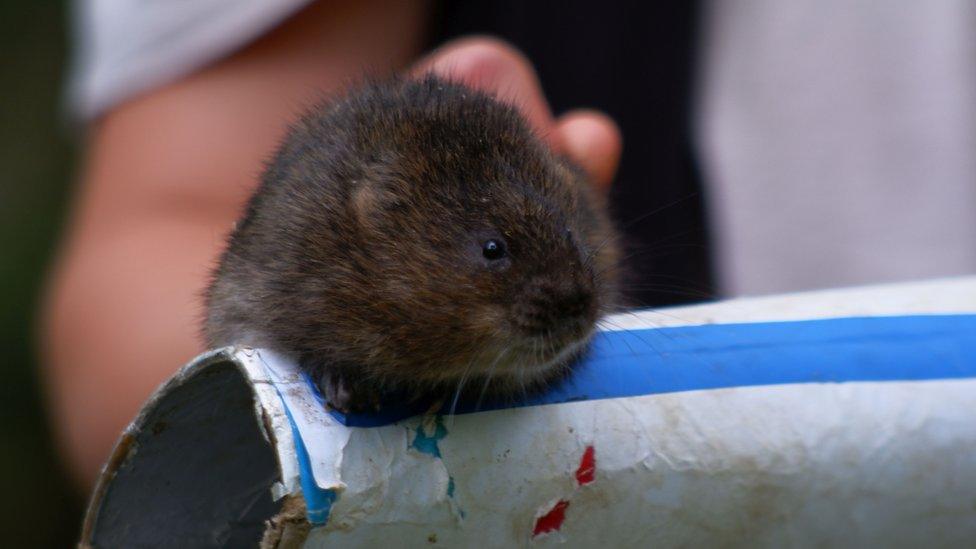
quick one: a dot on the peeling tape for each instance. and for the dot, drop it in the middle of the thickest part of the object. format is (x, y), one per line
(325, 438)
(653, 361)
(318, 501)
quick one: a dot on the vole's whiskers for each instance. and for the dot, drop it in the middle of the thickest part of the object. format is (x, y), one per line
(654, 247)
(460, 385)
(633, 222)
(488, 374)
(674, 289)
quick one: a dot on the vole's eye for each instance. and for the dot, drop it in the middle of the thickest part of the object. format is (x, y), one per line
(493, 249)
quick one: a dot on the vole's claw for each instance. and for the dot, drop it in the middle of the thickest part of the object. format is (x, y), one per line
(345, 397)
(336, 395)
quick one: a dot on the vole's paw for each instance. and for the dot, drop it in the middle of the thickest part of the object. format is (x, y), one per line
(336, 395)
(346, 397)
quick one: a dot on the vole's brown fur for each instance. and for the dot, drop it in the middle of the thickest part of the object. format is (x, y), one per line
(361, 254)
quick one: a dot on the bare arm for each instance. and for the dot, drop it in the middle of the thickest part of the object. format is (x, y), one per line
(165, 176)
(167, 173)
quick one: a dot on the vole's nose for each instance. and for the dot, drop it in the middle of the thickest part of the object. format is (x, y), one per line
(553, 306)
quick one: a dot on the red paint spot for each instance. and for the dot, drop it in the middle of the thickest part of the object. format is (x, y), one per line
(552, 520)
(587, 468)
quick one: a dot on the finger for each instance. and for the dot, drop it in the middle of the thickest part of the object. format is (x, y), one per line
(593, 141)
(496, 67)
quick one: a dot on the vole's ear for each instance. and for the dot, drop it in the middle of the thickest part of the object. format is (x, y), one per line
(372, 200)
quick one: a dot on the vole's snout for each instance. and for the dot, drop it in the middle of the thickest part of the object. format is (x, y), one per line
(560, 310)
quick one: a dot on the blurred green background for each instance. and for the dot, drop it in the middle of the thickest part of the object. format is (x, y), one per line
(37, 156)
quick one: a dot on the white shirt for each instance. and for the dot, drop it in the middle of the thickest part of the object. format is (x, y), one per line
(839, 141)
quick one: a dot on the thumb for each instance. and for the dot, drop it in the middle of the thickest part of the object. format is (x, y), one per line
(592, 140)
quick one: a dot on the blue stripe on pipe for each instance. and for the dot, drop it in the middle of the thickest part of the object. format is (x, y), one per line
(318, 501)
(688, 358)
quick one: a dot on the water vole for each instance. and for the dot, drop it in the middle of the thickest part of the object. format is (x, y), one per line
(413, 236)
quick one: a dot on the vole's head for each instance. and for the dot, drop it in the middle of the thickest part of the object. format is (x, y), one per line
(459, 246)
